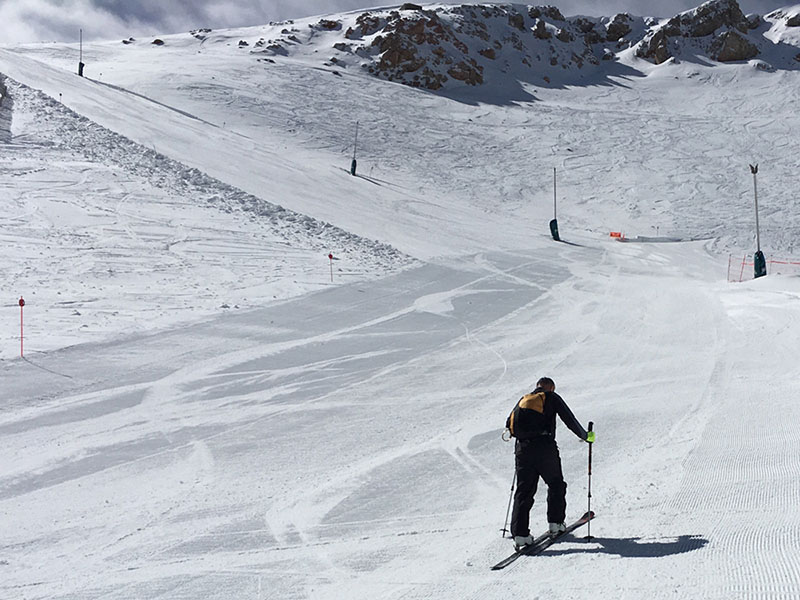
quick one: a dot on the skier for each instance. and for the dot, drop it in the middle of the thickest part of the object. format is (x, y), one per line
(533, 423)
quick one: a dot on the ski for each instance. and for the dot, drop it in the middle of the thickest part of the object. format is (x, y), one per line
(543, 542)
(547, 543)
(517, 553)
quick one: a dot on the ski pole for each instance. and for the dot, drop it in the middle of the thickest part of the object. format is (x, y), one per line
(589, 508)
(510, 496)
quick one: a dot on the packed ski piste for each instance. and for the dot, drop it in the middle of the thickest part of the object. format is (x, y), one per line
(334, 307)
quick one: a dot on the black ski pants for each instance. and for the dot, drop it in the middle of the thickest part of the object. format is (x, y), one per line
(536, 458)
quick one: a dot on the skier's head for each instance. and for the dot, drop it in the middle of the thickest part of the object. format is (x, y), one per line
(546, 384)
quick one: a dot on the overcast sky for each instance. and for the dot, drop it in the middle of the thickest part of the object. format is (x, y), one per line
(59, 20)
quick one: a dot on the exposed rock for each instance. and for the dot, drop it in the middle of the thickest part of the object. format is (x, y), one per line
(429, 47)
(584, 25)
(157, 42)
(517, 21)
(763, 66)
(656, 48)
(367, 25)
(793, 21)
(200, 34)
(243, 43)
(277, 49)
(551, 12)
(564, 35)
(754, 21)
(702, 22)
(540, 31)
(590, 34)
(708, 17)
(328, 25)
(398, 53)
(619, 27)
(471, 74)
(732, 46)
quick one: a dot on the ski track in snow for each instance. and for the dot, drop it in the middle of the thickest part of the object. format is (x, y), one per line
(126, 205)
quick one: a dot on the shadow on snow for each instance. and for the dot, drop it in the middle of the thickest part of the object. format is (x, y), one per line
(635, 548)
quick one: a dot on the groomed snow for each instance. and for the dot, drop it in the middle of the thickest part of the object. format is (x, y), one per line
(343, 441)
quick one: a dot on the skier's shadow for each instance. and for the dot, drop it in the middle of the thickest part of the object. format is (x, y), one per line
(635, 548)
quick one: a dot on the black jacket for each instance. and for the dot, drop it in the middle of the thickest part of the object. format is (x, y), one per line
(535, 416)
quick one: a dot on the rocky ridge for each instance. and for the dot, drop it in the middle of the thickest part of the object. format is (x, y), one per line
(717, 29)
(445, 47)
(433, 47)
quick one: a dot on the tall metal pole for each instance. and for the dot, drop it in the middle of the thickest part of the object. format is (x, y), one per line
(354, 163)
(754, 171)
(21, 336)
(589, 508)
(554, 221)
(554, 193)
(80, 59)
(355, 143)
(759, 262)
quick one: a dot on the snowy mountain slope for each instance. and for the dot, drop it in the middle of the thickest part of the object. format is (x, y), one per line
(275, 169)
(245, 499)
(495, 47)
(346, 443)
(617, 144)
(100, 231)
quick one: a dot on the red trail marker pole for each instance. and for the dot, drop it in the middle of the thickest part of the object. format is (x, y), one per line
(21, 305)
(330, 257)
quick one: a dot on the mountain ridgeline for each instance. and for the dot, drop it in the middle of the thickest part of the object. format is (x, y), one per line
(446, 47)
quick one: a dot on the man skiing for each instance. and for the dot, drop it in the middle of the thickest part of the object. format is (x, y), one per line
(533, 423)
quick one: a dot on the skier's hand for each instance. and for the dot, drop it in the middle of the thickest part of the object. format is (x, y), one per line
(590, 437)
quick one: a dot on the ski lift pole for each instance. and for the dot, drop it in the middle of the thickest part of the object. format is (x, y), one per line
(589, 508)
(555, 215)
(21, 305)
(554, 221)
(80, 59)
(354, 163)
(759, 263)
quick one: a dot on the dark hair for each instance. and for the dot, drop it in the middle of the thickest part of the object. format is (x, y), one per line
(545, 381)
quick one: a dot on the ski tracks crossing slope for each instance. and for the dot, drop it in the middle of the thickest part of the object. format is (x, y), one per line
(333, 358)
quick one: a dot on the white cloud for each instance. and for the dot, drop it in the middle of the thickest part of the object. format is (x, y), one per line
(49, 20)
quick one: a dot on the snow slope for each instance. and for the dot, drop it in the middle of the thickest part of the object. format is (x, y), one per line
(343, 441)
